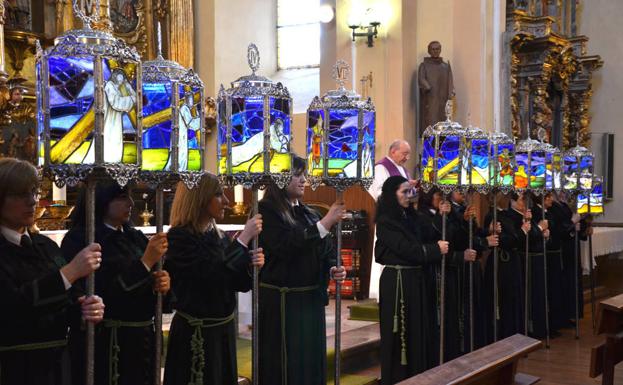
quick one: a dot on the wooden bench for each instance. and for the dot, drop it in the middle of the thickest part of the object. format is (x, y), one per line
(495, 364)
(604, 357)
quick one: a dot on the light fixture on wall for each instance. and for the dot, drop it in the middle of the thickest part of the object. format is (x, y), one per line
(366, 22)
(325, 13)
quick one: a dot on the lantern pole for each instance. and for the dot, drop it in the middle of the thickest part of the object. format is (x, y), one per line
(158, 313)
(576, 278)
(338, 294)
(90, 223)
(442, 290)
(545, 270)
(495, 265)
(255, 340)
(591, 272)
(471, 278)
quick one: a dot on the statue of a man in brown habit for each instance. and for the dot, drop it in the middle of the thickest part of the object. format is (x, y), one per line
(436, 87)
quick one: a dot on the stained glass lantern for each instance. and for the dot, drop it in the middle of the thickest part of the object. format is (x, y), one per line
(577, 169)
(173, 120)
(442, 149)
(89, 102)
(475, 162)
(501, 162)
(553, 168)
(340, 136)
(254, 129)
(530, 159)
(594, 205)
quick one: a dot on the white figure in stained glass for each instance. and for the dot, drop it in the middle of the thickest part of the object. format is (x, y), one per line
(120, 98)
(255, 144)
(186, 123)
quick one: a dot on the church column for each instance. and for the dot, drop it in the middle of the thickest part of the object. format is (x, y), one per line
(3, 75)
(181, 32)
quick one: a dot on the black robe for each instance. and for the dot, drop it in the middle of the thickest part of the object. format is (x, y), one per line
(510, 307)
(126, 287)
(296, 257)
(407, 345)
(569, 277)
(536, 275)
(430, 228)
(460, 243)
(555, 265)
(35, 310)
(206, 271)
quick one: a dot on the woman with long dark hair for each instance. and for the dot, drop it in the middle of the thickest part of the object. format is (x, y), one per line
(207, 269)
(407, 304)
(300, 257)
(36, 286)
(128, 285)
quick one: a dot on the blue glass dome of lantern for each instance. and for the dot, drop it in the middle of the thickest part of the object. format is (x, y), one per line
(88, 105)
(254, 129)
(577, 168)
(341, 136)
(173, 121)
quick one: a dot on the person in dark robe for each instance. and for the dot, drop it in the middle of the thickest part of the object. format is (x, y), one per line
(509, 309)
(207, 268)
(569, 222)
(554, 262)
(519, 212)
(463, 255)
(36, 287)
(406, 304)
(436, 87)
(128, 285)
(300, 259)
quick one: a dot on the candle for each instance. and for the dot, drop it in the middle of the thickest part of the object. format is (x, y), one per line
(239, 194)
(59, 195)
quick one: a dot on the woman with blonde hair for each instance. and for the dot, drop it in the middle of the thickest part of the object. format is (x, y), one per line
(36, 286)
(206, 269)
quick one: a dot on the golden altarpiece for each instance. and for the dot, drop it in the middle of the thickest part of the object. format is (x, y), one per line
(548, 70)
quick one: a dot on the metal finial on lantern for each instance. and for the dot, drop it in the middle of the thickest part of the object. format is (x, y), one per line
(254, 129)
(341, 136)
(173, 123)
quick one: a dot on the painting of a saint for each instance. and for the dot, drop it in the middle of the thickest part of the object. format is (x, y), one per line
(123, 15)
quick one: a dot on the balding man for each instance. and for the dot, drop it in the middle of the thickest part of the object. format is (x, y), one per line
(391, 165)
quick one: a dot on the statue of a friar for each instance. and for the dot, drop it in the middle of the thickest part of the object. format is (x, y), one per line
(436, 87)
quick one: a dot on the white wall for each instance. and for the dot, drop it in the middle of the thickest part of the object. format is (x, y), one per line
(600, 20)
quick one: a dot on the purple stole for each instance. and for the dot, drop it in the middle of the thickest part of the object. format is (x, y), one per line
(391, 168)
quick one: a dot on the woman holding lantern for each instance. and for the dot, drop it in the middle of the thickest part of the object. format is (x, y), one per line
(207, 269)
(36, 286)
(300, 259)
(406, 303)
(127, 282)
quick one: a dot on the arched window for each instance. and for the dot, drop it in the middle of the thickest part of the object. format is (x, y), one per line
(298, 34)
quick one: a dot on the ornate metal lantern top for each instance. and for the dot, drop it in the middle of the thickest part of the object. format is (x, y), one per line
(254, 129)
(173, 138)
(88, 101)
(341, 136)
(253, 84)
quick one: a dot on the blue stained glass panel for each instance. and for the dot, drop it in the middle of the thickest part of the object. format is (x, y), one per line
(342, 146)
(367, 143)
(553, 177)
(537, 176)
(597, 199)
(71, 109)
(570, 172)
(586, 172)
(448, 167)
(502, 164)
(478, 150)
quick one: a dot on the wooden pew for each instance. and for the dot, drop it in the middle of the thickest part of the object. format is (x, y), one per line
(604, 357)
(495, 364)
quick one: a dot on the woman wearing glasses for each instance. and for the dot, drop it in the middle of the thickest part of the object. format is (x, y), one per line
(36, 286)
